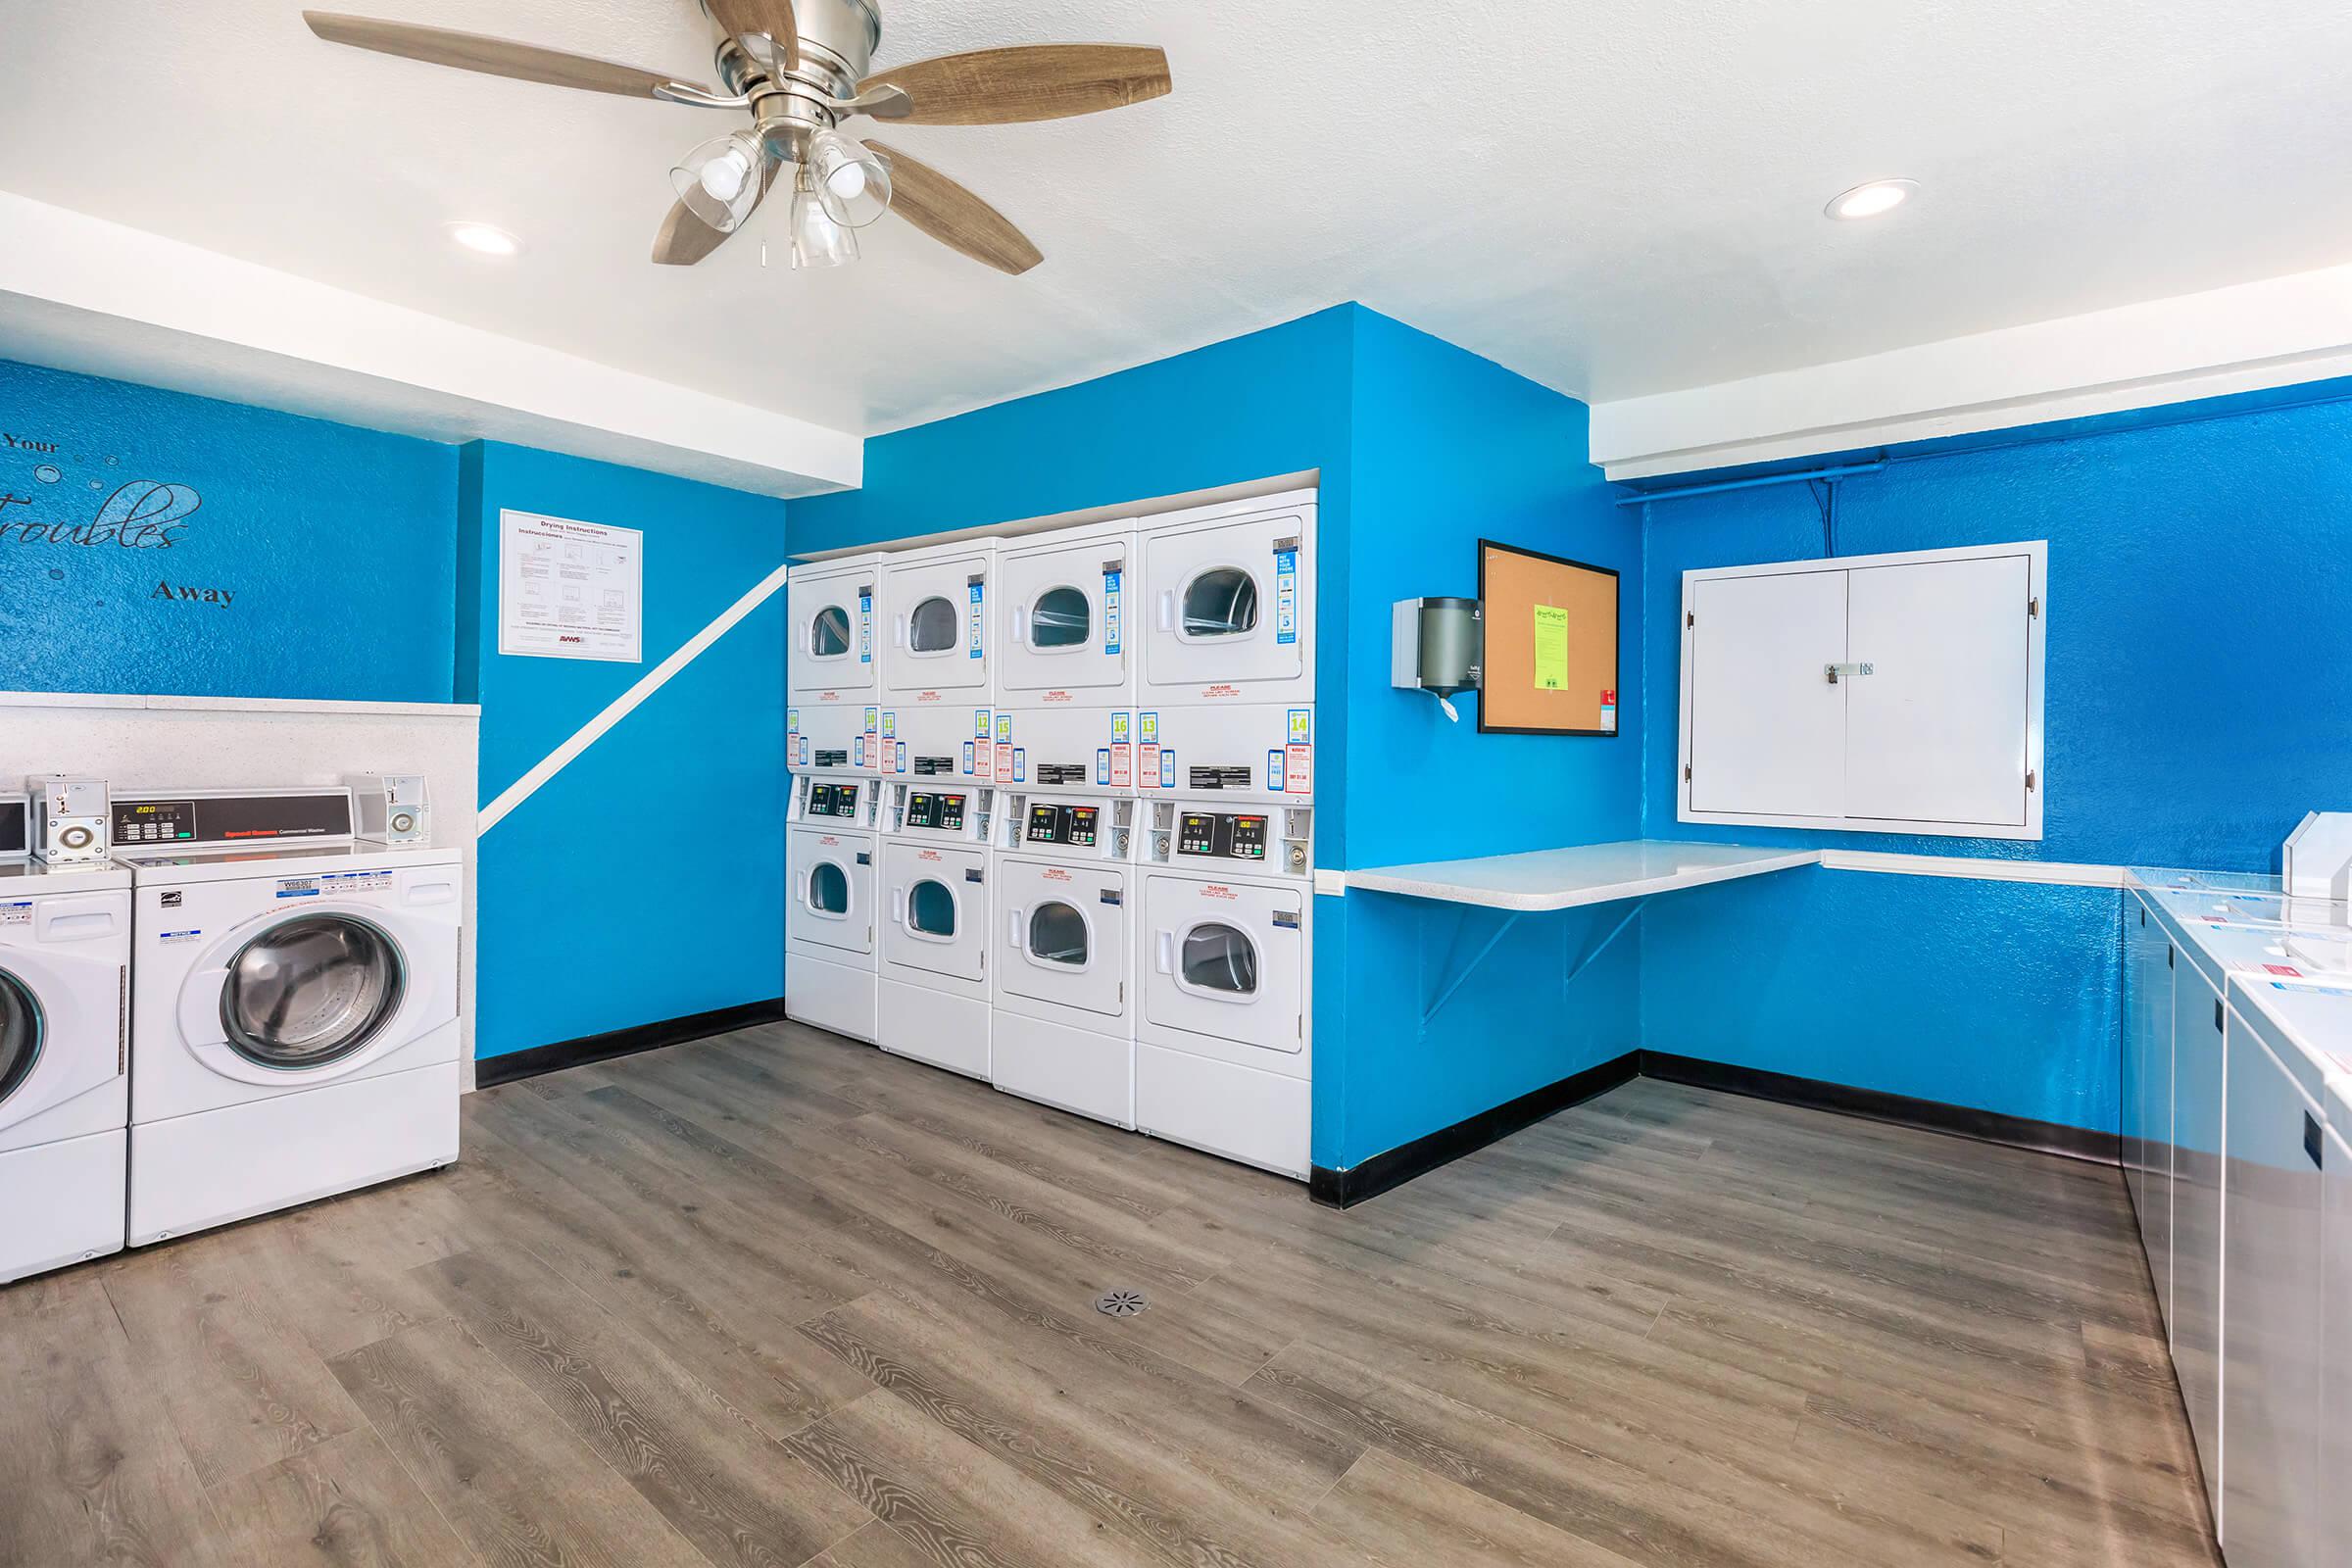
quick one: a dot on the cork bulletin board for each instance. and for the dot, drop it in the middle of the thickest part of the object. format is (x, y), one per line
(1550, 664)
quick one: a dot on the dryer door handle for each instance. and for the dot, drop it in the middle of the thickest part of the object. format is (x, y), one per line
(898, 904)
(1019, 631)
(1167, 953)
(1012, 927)
(1167, 610)
(898, 631)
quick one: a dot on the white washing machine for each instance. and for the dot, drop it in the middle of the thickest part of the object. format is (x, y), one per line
(294, 1003)
(65, 979)
(1064, 1027)
(834, 659)
(932, 982)
(1224, 1033)
(1229, 605)
(937, 677)
(831, 855)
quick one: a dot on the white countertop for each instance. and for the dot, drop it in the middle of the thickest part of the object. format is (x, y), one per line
(1589, 874)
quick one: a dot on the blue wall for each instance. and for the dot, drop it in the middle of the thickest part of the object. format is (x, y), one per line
(1446, 448)
(696, 921)
(2198, 680)
(156, 542)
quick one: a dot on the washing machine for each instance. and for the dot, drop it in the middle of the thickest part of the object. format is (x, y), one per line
(937, 677)
(1064, 882)
(1223, 976)
(931, 998)
(65, 981)
(831, 855)
(293, 1003)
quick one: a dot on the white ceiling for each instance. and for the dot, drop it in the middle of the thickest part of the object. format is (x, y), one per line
(1616, 197)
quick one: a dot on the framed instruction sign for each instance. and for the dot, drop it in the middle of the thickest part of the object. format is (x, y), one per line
(1551, 660)
(569, 590)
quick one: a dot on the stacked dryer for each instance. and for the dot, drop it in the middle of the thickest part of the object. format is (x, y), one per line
(1225, 734)
(939, 750)
(833, 749)
(1066, 821)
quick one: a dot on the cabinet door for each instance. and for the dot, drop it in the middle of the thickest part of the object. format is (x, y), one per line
(1936, 731)
(2130, 1100)
(1766, 727)
(2200, 1058)
(2335, 1302)
(2157, 959)
(2270, 1325)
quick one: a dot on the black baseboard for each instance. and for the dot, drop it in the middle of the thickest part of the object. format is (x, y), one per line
(1930, 1115)
(1343, 1189)
(491, 1071)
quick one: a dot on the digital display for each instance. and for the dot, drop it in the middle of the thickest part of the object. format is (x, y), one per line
(942, 812)
(1220, 837)
(1075, 825)
(820, 800)
(1045, 824)
(232, 819)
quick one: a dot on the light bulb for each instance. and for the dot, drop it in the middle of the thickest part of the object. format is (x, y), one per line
(848, 182)
(1877, 197)
(851, 180)
(723, 175)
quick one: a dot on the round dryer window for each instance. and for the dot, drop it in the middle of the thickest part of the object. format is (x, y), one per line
(934, 627)
(1060, 618)
(19, 1033)
(1218, 957)
(1220, 603)
(830, 889)
(931, 910)
(829, 637)
(1058, 934)
(310, 990)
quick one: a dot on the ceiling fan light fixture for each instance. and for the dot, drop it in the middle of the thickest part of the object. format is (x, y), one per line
(719, 181)
(1874, 200)
(817, 240)
(852, 180)
(484, 239)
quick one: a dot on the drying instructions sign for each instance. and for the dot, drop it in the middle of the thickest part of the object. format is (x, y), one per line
(1551, 647)
(569, 590)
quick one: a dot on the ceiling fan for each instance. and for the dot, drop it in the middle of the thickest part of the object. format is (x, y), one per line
(801, 67)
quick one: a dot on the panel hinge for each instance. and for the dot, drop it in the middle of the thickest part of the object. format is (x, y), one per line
(1685, 772)
(2029, 781)
(1690, 617)
(2033, 608)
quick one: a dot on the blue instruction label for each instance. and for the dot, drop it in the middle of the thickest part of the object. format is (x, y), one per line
(1285, 596)
(1168, 769)
(1274, 769)
(977, 591)
(1020, 764)
(1110, 611)
(865, 628)
(1103, 764)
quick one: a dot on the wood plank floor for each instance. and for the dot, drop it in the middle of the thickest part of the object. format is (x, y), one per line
(775, 1298)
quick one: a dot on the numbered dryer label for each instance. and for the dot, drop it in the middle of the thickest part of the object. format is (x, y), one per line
(1110, 611)
(1151, 729)
(979, 723)
(1285, 596)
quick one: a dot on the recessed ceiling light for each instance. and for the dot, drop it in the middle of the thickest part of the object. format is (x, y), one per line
(1870, 200)
(485, 238)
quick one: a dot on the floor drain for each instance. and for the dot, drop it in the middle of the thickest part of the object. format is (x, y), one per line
(1120, 1304)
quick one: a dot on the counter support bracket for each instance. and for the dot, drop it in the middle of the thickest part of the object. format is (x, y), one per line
(1461, 975)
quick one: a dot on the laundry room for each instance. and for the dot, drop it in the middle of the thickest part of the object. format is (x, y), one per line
(1633, 851)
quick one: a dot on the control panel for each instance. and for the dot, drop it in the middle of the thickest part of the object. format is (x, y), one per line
(188, 818)
(1066, 827)
(1276, 840)
(854, 802)
(939, 809)
(1078, 826)
(925, 810)
(833, 799)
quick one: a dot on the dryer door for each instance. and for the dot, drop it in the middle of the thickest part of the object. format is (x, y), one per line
(833, 636)
(937, 613)
(1222, 602)
(832, 890)
(938, 910)
(61, 1013)
(1065, 618)
(318, 991)
(1226, 962)
(1065, 935)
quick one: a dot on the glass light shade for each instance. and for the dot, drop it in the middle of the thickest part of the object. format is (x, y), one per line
(852, 180)
(719, 181)
(816, 239)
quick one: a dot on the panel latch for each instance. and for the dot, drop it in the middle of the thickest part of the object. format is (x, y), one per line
(1848, 671)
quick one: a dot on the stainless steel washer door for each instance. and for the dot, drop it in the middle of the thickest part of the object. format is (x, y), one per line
(19, 1033)
(310, 990)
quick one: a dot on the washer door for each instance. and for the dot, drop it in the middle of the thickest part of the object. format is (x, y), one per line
(311, 991)
(938, 920)
(1065, 935)
(23, 1029)
(1226, 962)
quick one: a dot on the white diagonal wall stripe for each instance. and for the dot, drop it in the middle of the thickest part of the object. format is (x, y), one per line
(523, 788)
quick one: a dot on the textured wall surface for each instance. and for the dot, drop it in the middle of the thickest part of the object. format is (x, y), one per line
(156, 543)
(645, 880)
(2198, 682)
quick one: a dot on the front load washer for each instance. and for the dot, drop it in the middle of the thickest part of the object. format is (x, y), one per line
(937, 677)
(1064, 1029)
(294, 1003)
(1229, 604)
(932, 993)
(1224, 1032)
(831, 850)
(65, 978)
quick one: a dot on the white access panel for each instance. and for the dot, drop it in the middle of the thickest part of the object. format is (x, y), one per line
(1891, 693)
(1227, 607)
(2199, 1082)
(934, 625)
(1936, 731)
(833, 654)
(1064, 599)
(2335, 1297)
(1764, 732)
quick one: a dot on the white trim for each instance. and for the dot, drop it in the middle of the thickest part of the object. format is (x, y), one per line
(239, 704)
(2049, 873)
(1331, 884)
(621, 706)
(1304, 484)
(2277, 333)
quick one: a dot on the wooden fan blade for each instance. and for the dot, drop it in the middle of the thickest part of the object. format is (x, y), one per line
(1034, 81)
(685, 239)
(494, 57)
(955, 217)
(771, 16)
